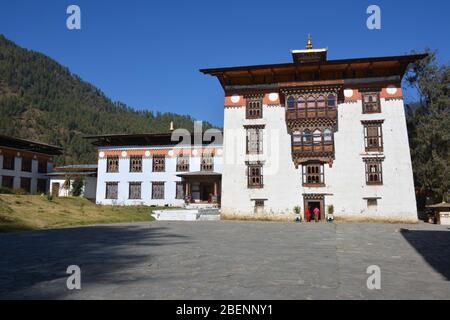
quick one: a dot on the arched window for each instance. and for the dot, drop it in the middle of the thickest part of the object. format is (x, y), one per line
(301, 103)
(311, 102)
(321, 102)
(317, 136)
(297, 137)
(307, 136)
(291, 103)
(331, 101)
(327, 135)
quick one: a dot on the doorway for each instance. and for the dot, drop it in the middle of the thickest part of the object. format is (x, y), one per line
(311, 202)
(55, 189)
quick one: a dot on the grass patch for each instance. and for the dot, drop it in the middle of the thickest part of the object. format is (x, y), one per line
(31, 212)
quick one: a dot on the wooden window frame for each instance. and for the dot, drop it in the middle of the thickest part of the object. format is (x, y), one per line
(182, 163)
(177, 193)
(255, 181)
(27, 186)
(108, 193)
(9, 179)
(156, 195)
(135, 163)
(371, 107)
(369, 140)
(159, 163)
(318, 178)
(376, 163)
(258, 130)
(207, 162)
(254, 108)
(112, 164)
(134, 194)
(27, 164)
(42, 166)
(39, 187)
(9, 165)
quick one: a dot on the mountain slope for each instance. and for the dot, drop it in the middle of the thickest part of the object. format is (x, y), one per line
(44, 101)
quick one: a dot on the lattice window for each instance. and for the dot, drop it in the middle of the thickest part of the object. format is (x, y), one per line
(373, 136)
(313, 174)
(182, 163)
(41, 185)
(207, 162)
(8, 182)
(255, 176)
(25, 184)
(112, 190)
(42, 166)
(254, 140)
(374, 171)
(371, 102)
(179, 194)
(254, 108)
(136, 164)
(159, 163)
(8, 162)
(112, 164)
(26, 164)
(157, 190)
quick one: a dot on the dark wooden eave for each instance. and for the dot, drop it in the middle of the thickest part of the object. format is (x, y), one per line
(29, 145)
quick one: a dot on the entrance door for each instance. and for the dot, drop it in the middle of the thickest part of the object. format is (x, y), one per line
(206, 190)
(315, 203)
(55, 189)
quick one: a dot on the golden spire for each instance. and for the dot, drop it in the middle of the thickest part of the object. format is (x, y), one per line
(309, 43)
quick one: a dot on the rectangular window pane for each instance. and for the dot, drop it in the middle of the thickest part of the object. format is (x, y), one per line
(179, 190)
(112, 164)
(112, 190)
(8, 162)
(254, 175)
(8, 182)
(254, 108)
(371, 102)
(157, 190)
(374, 171)
(42, 166)
(159, 163)
(26, 164)
(254, 140)
(25, 184)
(207, 163)
(135, 190)
(183, 163)
(135, 164)
(313, 174)
(42, 185)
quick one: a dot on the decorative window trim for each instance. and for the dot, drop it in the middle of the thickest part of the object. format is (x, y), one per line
(373, 142)
(112, 164)
(158, 194)
(135, 194)
(135, 163)
(183, 163)
(159, 163)
(370, 107)
(10, 164)
(254, 108)
(179, 194)
(207, 162)
(374, 170)
(114, 194)
(258, 131)
(313, 179)
(255, 177)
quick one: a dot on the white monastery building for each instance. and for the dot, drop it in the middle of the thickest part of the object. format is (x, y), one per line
(168, 169)
(317, 133)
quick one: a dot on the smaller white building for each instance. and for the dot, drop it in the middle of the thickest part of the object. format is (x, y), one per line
(63, 178)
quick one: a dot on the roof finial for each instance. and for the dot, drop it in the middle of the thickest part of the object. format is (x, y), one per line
(309, 43)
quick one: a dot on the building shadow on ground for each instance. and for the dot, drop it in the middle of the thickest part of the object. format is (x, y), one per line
(433, 246)
(34, 264)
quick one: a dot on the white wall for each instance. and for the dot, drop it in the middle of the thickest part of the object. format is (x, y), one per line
(88, 191)
(17, 173)
(147, 176)
(345, 183)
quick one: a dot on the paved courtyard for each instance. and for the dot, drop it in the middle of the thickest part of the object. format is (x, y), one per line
(228, 260)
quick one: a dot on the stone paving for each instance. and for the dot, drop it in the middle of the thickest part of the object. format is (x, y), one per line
(228, 260)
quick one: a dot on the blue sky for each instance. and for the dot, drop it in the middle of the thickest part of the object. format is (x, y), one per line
(147, 53)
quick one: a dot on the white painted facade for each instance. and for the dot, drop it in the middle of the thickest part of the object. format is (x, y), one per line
(17, 173)
(89, 189)
(345, 185)
(147, 176)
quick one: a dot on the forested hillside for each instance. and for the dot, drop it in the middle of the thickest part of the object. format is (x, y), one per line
(44, 101)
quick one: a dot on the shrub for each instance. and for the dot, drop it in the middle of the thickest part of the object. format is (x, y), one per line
(20, 191)
(330, 209)
(5, 190)
(297, 209)
(77, 187)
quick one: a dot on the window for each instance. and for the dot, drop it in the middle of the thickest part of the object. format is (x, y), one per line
(254, 140)
(157, 190)
(291, 103)
(372, 202)
(112, 164)
(134, 191)
(331, 101)
(311, 102)
(42, 185)
(112, 190)
(25, 184)
(328, 135)
(313, 174)
(159, 163)
(26, 164)
(8, 182)
(373, 135)
(255, 177)
(317, 136)
(259, 206)
(8, 162)
(42, 166)
(301, 103)
(179, 192)
(135, 164)
(297, 137)
(207, 163)
(254, 108)
(371, 102)
(374, 172)
(321, 102)
(307, 136)
(182, 163)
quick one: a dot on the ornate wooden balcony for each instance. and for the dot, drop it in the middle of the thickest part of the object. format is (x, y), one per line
(310, 150)
(313, 113)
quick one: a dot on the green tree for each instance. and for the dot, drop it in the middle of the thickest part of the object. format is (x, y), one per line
(429, 128)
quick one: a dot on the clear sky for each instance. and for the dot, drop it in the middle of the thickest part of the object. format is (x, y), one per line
(147, 53)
